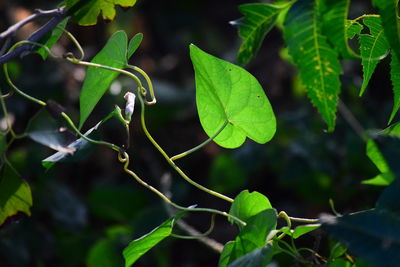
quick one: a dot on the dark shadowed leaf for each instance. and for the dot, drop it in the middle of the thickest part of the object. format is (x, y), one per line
(257, 258)
(389, 199)
(51, 38)
(395, 77)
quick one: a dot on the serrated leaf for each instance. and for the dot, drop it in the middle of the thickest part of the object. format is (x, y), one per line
(317, 62)
(246, 205)
(258, 20)
(375, 155)
(388, 9)
(15, 194)
(140, 246)
(97, 80)
(252, 237)
(256, 258)
(336, 25)
(226, 92)
(134, 44)
(85, 12)
(373, 48)
(51, 38)
(300, 230)
(372, 235)
(353, 28)
(395, 77)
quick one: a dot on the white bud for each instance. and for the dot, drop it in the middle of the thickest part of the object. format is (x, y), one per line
(130, 103)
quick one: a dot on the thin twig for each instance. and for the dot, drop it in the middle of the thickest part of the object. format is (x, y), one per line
(352, 121)
(58, 15)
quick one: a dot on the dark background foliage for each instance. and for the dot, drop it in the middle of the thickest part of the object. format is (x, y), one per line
(87, 210)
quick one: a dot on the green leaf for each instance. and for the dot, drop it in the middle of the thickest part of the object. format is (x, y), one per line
(395, 77)
(300, 230)
(15, 194)
(51, 38)
(375, 155)
(392, 130)
(372, 235)
(140, 246)
(256, 258)
(340, 263)
(97, 81)
(373, 48)
(337, 251)
(336, 25)
(85, 12)
(105, 253)
(253, 236)
(246, 205)
(134, 44)
(389, 12)
(226, 92)
(389, 199)
(317, 62)
(353, 28)
(258, 20)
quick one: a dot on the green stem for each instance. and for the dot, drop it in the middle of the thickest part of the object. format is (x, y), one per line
(303, 220)
(149, 83)
(76, 43)
(183, 154)
(171, 163)
(366, 16)
(198, 236)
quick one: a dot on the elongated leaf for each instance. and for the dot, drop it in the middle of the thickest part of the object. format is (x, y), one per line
(392, 130)
(15, 194)
(395, 77)
(140, 246)
(51, 38)
(353, 28)
(97, 81)
(256, 258)
(375, 155)
(258, 20)
(317, 62)
(373, 48)
(226, 92)
(248, 204)
(134, 44)
(300, 230)
(336, 25)
(85, 12)
(372, 235)
(389, 12)
(252, 237)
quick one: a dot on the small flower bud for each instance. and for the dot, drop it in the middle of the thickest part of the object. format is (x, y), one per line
(130, 104)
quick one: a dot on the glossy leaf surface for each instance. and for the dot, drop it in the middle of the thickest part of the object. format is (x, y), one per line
(317, 62)
(85, 12)
(226, 92)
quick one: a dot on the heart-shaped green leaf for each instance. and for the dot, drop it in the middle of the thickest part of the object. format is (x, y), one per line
(226, 92)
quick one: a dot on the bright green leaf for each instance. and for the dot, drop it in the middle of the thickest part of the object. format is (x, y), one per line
(140, 246)
(246, 205)
(105, 253)
(226, 92)
(51, 38)
(85, 12)
(353, 28)
(256, 258)
(300, 230)
(395, 77)
(373, 47)
(317, 62)
(340, 263)
(336, 25)
(253, 236)
(389, 12)
(392, 130)
(98, 80)
(258, 20)
(372, 235)
(375, 155)
(134, 44)
(15, 194)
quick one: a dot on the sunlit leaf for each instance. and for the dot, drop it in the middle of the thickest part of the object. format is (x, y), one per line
(336, 25)
(226, 92)
(392, 130)
(246, 205)
(389, 12)
(97, 80)
(134, 44)
(51, 38)
(258, 257)
(140, 246)
(258, 20)
(252, 237)
(373, 47)
(375, 155)
(317, 62)
(353, 28)
(85, 12)
(395, 77)
(15, 194)
(300, 230)
(372, 235)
